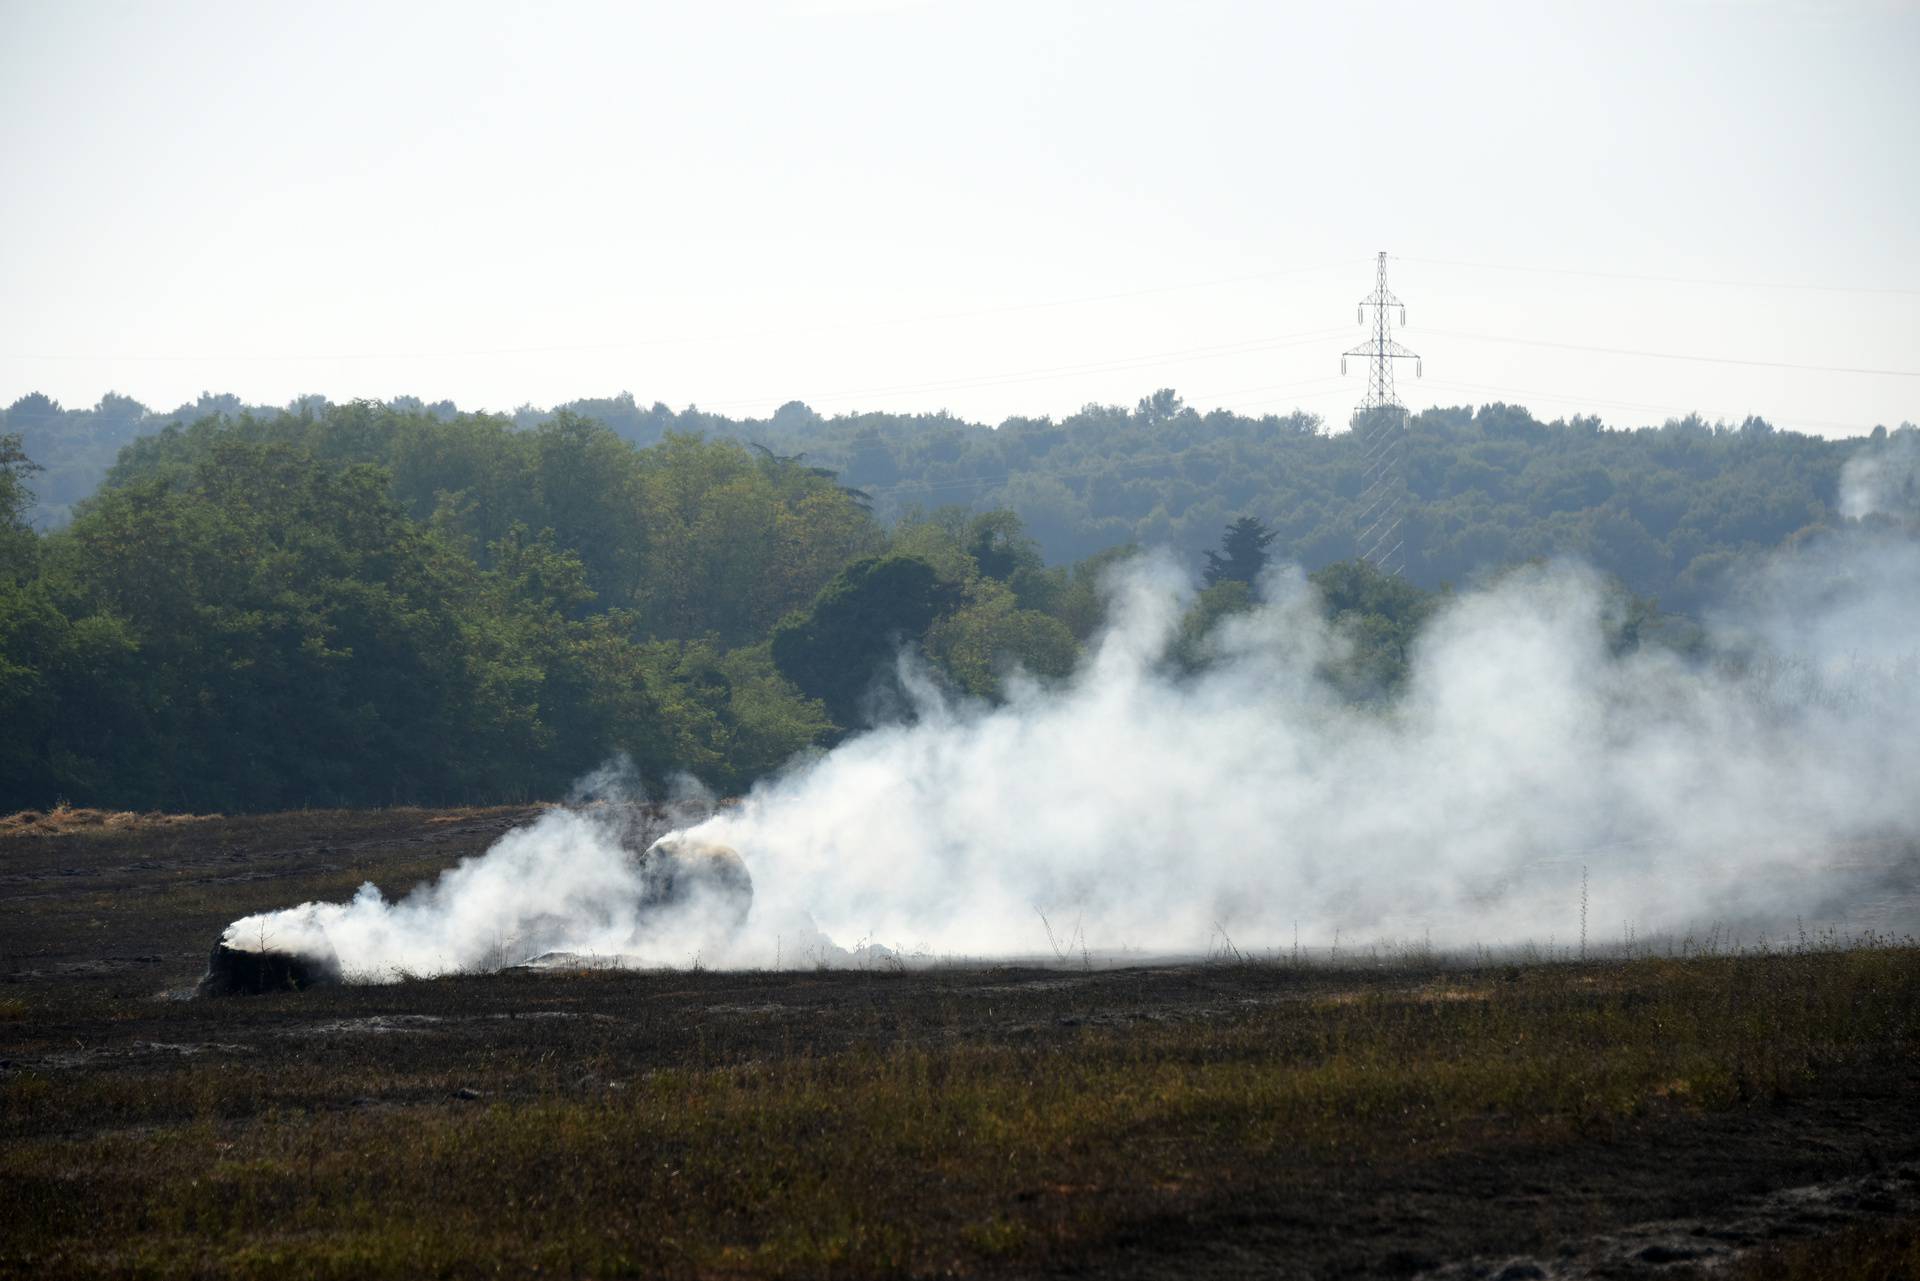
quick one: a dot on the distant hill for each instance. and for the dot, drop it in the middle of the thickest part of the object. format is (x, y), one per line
(1665, 508)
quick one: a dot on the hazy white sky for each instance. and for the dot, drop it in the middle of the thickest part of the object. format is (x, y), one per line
(989, 208)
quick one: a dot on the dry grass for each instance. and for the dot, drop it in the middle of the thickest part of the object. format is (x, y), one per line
(1156, 1122)
(69, 821)
(1019, 1147)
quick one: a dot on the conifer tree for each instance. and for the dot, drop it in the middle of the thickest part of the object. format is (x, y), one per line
(1245, 544)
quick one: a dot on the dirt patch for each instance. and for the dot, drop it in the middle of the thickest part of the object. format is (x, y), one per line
(1713, 1239)
(372, 1025)
(131, 1053)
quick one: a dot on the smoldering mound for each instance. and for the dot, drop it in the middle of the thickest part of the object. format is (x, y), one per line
(608, 880)
(235, 970)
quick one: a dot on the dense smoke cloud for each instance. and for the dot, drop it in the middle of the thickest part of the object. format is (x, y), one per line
(1160, 812)
(1771, 775)
(1884, 477)
(570, 882)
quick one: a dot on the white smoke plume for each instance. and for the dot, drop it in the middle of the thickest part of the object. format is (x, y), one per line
(569, 882)
(1883, 478)
(1158, 812)
(1143, 811)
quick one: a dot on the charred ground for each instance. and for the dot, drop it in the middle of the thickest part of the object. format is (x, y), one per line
(1635, 1117)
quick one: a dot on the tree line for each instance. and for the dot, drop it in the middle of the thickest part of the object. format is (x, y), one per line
(1667, 509)
(375, 603)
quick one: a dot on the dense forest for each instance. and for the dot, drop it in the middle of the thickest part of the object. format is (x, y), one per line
(1664, 508)
(231, 608)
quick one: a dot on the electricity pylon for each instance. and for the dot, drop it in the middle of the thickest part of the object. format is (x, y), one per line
(1380, 421)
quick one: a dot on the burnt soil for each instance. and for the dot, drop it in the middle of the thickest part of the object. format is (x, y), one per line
(105, 930)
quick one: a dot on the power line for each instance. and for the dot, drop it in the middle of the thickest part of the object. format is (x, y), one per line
(691, 339)
(1339, 390)
(332, 357)
(1663, 280)
(1135, 293)
(1672, 355)
(1212, 351)
(1241, 391)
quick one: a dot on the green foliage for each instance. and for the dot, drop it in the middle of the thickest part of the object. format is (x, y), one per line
(247, 625)
(69, 690)
(768, 725)
(1663, 508)
(364, 602)
(77, 447)
(699, 538)
(1377, 616)
(838, 647)
(1000, 547)
(299, 639)
(1658, 507)
(17, 546)
(1074, 595)
(989, 636)
(734, 543)
(1245, 545)
(1222, 600)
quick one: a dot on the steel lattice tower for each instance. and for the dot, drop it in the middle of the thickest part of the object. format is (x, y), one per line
(1380, 421)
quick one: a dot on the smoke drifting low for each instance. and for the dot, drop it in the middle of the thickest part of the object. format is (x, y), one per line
(587, 881)
(1151, 812)
(1158, 811)
(1884, 478)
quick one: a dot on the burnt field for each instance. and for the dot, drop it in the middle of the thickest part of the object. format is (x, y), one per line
(1748, 1115)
